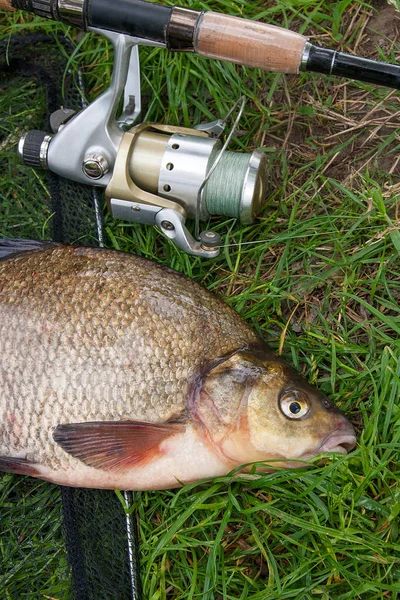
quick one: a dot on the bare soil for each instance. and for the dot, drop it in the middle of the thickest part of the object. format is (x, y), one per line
(341, 111)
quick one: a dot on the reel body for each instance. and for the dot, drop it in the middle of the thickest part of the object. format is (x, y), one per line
(152, 173)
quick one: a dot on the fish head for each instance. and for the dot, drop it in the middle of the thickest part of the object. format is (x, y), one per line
(261, 409)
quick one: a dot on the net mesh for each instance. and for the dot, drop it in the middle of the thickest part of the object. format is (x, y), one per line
(100, 539)
(101, 545)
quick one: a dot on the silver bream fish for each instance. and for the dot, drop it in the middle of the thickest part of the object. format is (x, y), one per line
(116, 372)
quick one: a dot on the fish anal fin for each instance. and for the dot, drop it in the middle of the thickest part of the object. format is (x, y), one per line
(19, 466)
(114, 445)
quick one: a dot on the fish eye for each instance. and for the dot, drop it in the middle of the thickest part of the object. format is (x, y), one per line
(294, 405)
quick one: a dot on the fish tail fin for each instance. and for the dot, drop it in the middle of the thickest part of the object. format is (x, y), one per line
(20, 466)
(8, 247)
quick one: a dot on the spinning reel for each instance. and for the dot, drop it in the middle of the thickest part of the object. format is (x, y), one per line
(152, 173)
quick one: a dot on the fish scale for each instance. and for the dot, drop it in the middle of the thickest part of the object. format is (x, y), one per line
(125, 349)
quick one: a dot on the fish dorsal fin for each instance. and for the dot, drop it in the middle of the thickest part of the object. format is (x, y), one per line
(114, 445)
(8, 247)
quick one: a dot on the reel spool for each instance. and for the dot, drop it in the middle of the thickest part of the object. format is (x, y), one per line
(189, 173)
(175, 166)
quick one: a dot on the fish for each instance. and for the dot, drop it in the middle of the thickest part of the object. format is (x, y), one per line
(119, 373)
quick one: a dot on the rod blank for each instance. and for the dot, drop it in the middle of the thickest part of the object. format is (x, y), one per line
(330, 62)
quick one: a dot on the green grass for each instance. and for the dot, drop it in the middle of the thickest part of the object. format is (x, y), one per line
(318, 276)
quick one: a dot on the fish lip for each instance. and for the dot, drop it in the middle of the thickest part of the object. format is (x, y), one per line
(341, 443)
(338, 441)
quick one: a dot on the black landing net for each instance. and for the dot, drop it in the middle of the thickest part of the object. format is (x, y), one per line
(100, 539)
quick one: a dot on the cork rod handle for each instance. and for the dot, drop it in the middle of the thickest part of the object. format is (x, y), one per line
(250, 43)
(6, 5)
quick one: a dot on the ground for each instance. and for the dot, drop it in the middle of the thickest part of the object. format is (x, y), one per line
(317, 276)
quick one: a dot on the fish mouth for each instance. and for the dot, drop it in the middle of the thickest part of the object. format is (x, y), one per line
(338, 443)
(341, 440)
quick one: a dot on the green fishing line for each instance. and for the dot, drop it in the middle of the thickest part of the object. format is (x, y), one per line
(223, 192)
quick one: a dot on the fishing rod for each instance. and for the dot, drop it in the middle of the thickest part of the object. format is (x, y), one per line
(157, 174)
(213, 35)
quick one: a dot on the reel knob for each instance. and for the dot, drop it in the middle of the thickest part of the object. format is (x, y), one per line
(33, 148)
(210, 240)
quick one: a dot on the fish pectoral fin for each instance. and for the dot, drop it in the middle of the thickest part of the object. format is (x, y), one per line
(114, 445)
(20, 466)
